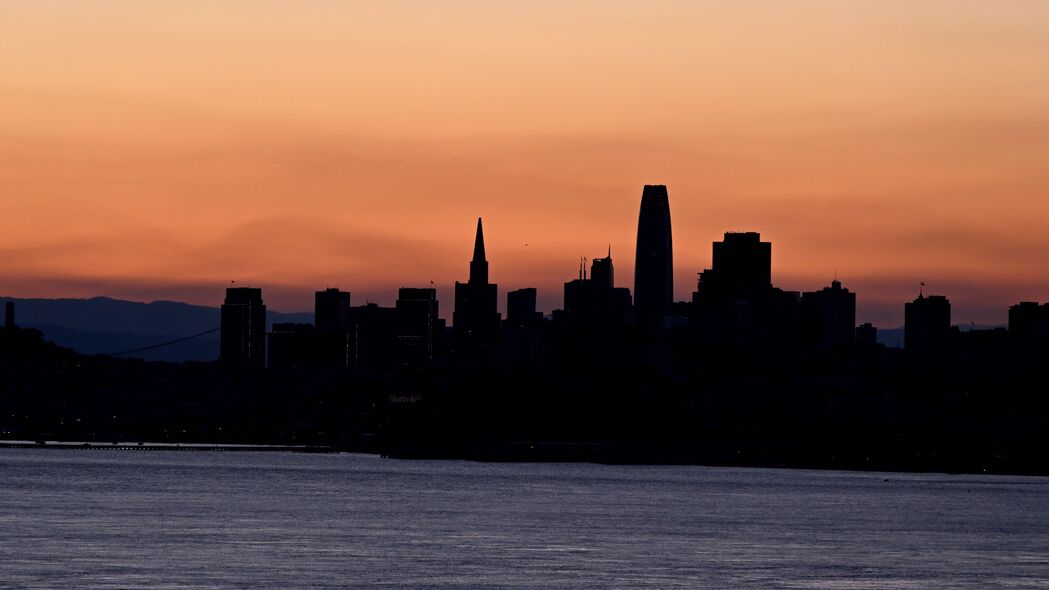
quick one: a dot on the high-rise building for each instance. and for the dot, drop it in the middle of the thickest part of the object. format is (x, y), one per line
(927, 324)
(291, 346)
(521, 336)
(331, 309)
(521, 307)
(333, 348)
(475, 320)
(828, 317)
(372, 337)
(1029, 324)
(602, 272)
(654, 260)
(742, 265)
(596, 300)
(9, 314)
(866, 335)
(417, 324)
(243, 328)
(735, 302)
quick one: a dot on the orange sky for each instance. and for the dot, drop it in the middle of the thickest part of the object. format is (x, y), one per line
(158, 150)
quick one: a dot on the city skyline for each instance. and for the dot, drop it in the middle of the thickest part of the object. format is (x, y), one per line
(474, 293)
(551, 299)
(159, 154)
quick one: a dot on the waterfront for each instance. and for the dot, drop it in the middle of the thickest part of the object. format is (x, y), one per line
(124, 519)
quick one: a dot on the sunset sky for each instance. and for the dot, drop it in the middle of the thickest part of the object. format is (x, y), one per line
(159, 150)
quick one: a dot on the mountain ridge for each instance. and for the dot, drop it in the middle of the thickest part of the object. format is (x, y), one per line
(107, 325)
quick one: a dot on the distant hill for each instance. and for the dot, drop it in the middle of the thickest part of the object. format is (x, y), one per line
(893, 337)
(102, 325)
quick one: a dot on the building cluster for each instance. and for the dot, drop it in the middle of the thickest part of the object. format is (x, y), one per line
(735, 307)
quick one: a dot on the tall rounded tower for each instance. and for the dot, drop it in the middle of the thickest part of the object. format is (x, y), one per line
(654, 260)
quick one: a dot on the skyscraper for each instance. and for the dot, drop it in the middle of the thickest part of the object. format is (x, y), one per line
(417, 324)
(475, 319)
(520, 307)
(735, 302)
(596, 300)
(927, 324)
(331, 309)
(602, 272)
(333, 347)
(243, 328)
(742, 266)
(828, 317)
(1029, 324)
(654, 261)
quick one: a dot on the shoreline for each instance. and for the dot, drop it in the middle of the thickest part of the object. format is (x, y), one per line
(321, 449)
(158, 446)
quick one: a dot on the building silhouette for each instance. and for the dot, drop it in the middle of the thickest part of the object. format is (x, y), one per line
(741, 266)
(292, 346)
(331, 309)
(522, 331)
(243, 328)
(372, 337)
(866, 335)
(332, 345)
(521, 307)
(596, 301)
(418, 325)
(602, 272)
(735, 303)
(927, 324)
(9, 314)
(828, 317)
(654, 259)
(475, 319)
(1029, 324)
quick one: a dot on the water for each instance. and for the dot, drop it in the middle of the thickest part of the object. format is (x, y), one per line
(132, 519)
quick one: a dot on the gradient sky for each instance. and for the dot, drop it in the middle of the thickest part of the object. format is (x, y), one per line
(158, 150)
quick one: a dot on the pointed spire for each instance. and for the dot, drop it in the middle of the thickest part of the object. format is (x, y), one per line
(479, 243)
(479, 266)
(610, 250)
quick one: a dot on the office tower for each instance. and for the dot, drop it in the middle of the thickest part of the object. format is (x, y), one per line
(654, 261)
(475, 320)
(521, 307)
(372, 337)
(330, 310)
(291, 346)
(866, 334)
(522, 333)
(596, 300)
(742, 265)
(927, 324)
(417, 323)
(9, 314)
(243, 328)
(602, 272)
(828, 317)
(735, 302)
(1029, 324)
